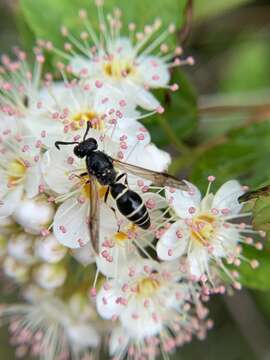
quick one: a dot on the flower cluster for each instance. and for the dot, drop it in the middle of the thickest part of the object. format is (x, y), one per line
(142, 290)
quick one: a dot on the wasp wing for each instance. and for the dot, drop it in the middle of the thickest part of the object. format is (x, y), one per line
(158, 178)
(94, 221)
(253, 194)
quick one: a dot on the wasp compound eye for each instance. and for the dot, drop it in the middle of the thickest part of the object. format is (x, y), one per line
(80, 151)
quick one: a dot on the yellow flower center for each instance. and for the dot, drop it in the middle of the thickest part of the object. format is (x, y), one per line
(79, 120)
(16, 171)
(117, 68)
(121, 236)
(86, 188)
(203, 228)
(147, 286)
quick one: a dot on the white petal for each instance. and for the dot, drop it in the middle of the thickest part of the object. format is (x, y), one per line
(83, 335)
(10, 201)
(32, 181)
(159, 201)
(227, 197)
(78, 63)
(16, 270)
(34, 215)
(183, 201)
(50, 276)
(48, 249)
(70, 223)
(42, 122)
(114, 98)
(198, 261)
(140, 96)
(123, 47)
(154, 71)
(56, 167)
(225, 241)
(20, 247)
(118, 341)
(106, 301)
(143, 324)
(149, 157)
(84, 255)
(170, 246)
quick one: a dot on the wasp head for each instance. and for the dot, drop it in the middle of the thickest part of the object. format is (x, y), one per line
(85, 147)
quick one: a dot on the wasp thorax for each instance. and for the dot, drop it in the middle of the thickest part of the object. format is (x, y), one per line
(85, 147)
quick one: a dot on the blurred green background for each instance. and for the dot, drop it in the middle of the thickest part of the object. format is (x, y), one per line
(227, 122)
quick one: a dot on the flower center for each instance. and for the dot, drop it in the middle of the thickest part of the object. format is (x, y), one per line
(117, 68)
(128, 232)
(202, 228)
(16, 171)
(120, 237)
(147, 286)
(86, 188)
(79, 120)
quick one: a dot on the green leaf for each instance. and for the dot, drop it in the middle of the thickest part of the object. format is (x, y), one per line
(180, 118)
(244, 156)
(258, 278)
(247, 68)
(261, 213)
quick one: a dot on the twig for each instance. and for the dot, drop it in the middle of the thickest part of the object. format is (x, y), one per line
(184, 32)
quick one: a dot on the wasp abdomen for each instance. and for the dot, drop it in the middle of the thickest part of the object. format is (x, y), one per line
(131, 205)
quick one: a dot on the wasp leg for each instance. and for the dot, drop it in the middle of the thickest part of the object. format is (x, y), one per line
(111, 207)
(81, 176)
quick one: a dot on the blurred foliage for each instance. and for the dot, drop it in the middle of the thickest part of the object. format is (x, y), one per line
(247, 67)
(230, 42)
(255, 278)
(180, 118)
(243, 155)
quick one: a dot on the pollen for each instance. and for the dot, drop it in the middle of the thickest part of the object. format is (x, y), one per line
(202, 228)
(120, 236)
(118, 69)
(147, 286)
(16, 172)
(80, 119)
(86, 188)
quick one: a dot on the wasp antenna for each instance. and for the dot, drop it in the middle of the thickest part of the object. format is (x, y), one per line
(57, 143)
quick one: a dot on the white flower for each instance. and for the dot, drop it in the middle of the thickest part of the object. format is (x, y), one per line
(74, 104)
(127, 65)
(49, 250)
(16, 270)
(19, 85)
(19, 172)
(84, 255)
(146, 297)
(34, 215)
(203, 230)
(120, 240)
(50, 276)
(61, 170)
(20, 247)
(49, 320)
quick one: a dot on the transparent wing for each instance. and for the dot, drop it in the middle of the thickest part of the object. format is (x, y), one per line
(94, 221)
(158, 178)
(253, 194)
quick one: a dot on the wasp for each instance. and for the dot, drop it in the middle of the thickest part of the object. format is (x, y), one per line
(101, 169)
